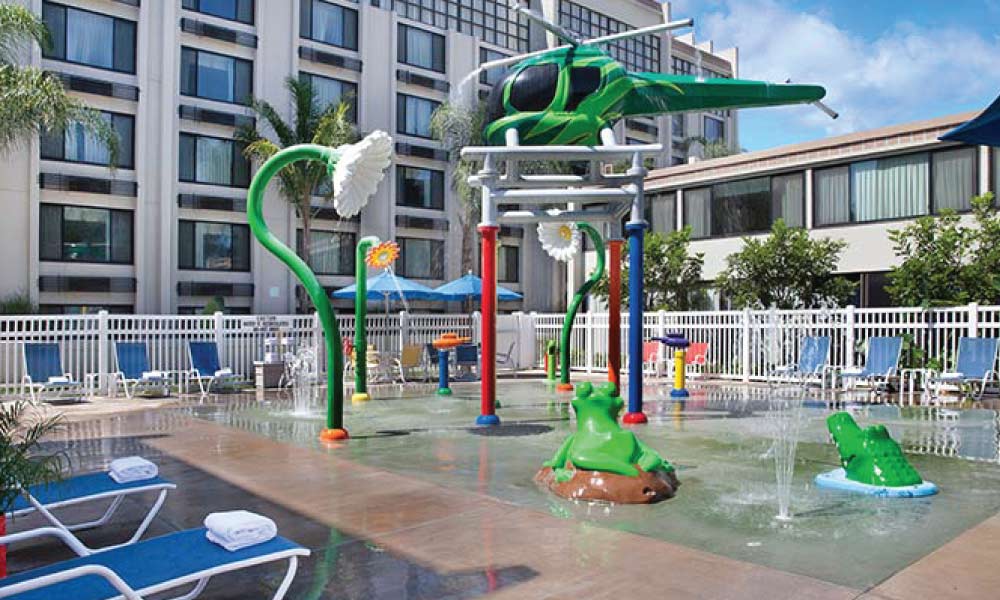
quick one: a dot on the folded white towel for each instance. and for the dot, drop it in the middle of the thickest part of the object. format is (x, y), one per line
(154, 375)
(224, 372)
(60, 379)
(951, 375)
(132, 468)
(239, 529)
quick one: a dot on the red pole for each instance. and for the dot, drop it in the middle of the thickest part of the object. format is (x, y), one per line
(615, 313)
(488, 335)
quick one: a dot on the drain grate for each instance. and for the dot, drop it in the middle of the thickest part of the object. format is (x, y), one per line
(511, 430)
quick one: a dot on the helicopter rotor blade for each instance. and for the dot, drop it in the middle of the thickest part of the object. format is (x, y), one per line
(557, 30)
(624, 35)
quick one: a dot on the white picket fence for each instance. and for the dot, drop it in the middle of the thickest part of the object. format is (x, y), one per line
(742, 344)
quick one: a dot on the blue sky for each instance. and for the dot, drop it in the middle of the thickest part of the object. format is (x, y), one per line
(882, 61)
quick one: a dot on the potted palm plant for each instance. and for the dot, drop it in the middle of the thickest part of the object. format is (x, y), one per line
(22, 464)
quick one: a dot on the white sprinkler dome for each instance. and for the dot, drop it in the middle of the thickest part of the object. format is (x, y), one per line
(560, 240)
(359, 170)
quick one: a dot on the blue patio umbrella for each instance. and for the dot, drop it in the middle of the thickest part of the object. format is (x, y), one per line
(469, 287)
(984, 130)
(387, 287)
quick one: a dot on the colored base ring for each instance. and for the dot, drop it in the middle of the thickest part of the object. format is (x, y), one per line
(837, 480)
(682, 393)
(636, 418)
(564, 387)
(360, 398)
(444, 391)
(333, 435)
(487, 420)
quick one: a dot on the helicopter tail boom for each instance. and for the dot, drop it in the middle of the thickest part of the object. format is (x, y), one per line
(656, 93)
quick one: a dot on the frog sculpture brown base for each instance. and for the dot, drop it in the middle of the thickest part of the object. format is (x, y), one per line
(601, 461)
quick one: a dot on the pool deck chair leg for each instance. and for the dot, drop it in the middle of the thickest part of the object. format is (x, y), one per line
(115, 504)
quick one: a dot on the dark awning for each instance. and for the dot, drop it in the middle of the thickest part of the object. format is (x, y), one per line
(984, 130)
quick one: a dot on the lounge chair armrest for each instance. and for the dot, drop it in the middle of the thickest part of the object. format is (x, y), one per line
(74, 573)
(70, 540)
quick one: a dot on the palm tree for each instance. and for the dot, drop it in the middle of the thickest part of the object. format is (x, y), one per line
(312, 123)
(32, 100)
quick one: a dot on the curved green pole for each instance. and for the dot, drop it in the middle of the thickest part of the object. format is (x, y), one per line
(360, 319)
(255, 217)
(574, 306)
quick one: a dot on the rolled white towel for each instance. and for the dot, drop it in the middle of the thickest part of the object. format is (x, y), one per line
(132, 468)
(59, 379)
(239, 529)
(224, 372)
(154, 375)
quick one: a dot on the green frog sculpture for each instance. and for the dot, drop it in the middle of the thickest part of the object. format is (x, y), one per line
(603, 462)
(872, 462)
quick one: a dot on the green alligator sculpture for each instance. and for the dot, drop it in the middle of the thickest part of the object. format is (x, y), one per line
(870, 455)
(600, 444)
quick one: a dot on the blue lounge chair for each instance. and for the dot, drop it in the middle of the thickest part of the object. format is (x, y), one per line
(467, 357)
(975, 364)
(44, 377)
(205, 366)
(814, 353)
(134, 374)
(143, 569)
(84, 489)
(881, 363)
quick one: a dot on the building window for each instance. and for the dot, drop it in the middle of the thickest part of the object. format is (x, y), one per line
(954, 179)
(715, 130)
(213, 246)
(894, 187)
(85, 234)
(89, 38)
(77, 144)
(492, 76)
(746, 206)
(662, 212)
(85, 309)
(419, 188)
(330, 252)
(637, 54)
(509, 264)
(996, 171)
(213, 161)
(331, 91)
(681, 66)
(420, 48)
(678, 130)
(488, 20)
(421, 258)
(233, 10)
(413, 115)
(329, 23)
(216, 76)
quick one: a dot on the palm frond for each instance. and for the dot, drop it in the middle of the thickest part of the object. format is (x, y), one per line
(307, 113)
(284, 131)
(260, 149)
(334, 128)
(18, 28)
(21, 463)
(33, 101)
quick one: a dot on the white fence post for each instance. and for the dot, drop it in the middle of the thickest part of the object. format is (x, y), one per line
(661, 323)
(588, 329)
(220, 336)
(404, 329)
(317, 342)
(745, 346)
(102, 352)
(973, 319)
(476, 329)
(849, 322)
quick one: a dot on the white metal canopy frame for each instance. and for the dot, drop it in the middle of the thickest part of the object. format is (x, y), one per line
(594, 196)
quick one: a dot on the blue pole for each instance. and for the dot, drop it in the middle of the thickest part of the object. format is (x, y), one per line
(635, 231)
(443, 389)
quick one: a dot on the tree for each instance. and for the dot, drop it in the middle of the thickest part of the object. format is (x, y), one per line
(944, 262)
(456, 127)
(311, 123)
(671, 275)
(709, 148)
(21, 465)
(33, 101)
(787, 269)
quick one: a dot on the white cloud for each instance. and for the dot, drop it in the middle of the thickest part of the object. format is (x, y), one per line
(904, 73)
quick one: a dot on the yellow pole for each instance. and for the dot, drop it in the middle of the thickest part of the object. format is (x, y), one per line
(679, 390)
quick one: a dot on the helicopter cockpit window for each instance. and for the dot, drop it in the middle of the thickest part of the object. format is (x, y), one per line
(534, 87)
(583, 81)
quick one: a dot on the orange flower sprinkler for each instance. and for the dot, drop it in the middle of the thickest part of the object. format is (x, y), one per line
(443, 345)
